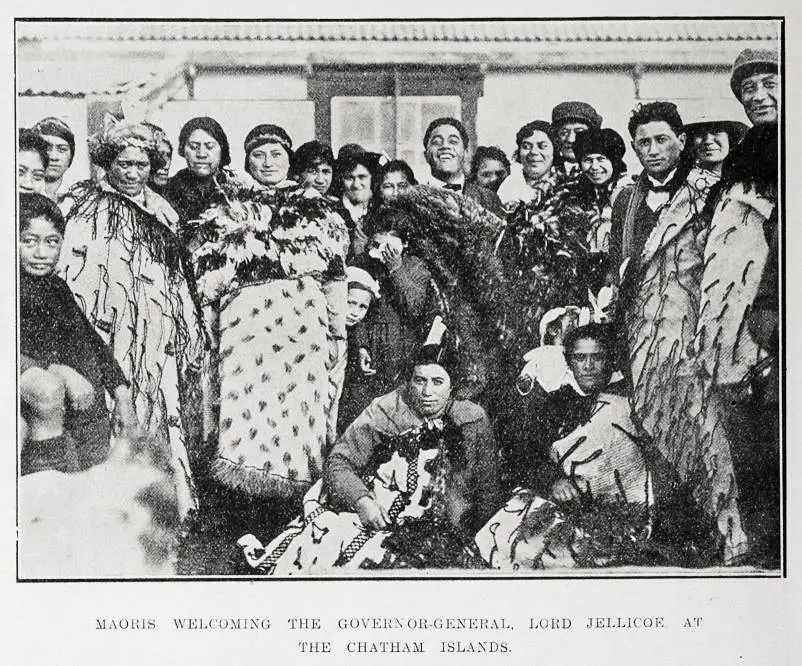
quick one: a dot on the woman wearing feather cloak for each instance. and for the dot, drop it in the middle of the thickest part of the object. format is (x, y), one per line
(270, 267)
(122, 261)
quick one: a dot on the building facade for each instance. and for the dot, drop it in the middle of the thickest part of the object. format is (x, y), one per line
(377, 83)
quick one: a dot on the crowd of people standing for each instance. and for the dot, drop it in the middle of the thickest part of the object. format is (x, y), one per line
(514, 363)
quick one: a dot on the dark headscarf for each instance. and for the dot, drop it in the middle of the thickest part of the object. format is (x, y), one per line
(213, 129)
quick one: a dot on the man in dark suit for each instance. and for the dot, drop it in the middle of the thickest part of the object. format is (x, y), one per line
(445, 143)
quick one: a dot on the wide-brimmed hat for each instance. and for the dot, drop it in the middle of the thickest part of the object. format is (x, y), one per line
(750, 62)
(735, 129)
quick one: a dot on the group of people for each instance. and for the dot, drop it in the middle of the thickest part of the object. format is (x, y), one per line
(515, 363)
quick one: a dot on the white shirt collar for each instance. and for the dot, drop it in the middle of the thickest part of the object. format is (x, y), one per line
(436, 182)
(357, 211)
(665, 181)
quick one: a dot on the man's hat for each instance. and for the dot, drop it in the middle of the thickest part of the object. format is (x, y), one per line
(576, 111)
(750, 62)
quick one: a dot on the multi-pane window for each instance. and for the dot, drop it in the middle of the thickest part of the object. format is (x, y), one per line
(392, 125)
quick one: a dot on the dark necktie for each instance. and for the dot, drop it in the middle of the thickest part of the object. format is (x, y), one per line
(454, 187)
(659, 188)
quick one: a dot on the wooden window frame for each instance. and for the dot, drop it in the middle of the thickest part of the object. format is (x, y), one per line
(327, 81)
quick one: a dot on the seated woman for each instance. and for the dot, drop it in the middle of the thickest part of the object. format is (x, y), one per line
(63, 357)
(574, 456)
(405, 486)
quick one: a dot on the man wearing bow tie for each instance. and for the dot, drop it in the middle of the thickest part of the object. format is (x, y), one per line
(445, 144)
(655, 224)
(658, 140)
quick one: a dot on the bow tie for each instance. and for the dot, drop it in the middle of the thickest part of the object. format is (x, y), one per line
(454, 187)
(659, 188)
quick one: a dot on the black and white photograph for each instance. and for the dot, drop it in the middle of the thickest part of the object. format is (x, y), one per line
(370, 299)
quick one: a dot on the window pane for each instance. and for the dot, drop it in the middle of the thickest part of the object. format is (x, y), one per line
(386, 127)
(357, 122)
(406, 120)
(431, 108)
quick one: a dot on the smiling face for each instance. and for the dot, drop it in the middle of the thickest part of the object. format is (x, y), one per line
(491, 173)
(658, 148)
(359, 301)
(536, 154)
(395, 182)
(760, 96)
(567, 135)
(202, 153)
(429, 390)
(30, 172)
(39, 247)
(59, 157)
(711, 146)
(445, 152)
(129, 171)
(161, 176)
(590, 364)
(269, 164)
(598, 169)
(356, 185)
(318, 177)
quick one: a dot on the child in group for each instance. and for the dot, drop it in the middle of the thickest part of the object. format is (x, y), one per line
(360, 374)
(395, 325)
(66, 368)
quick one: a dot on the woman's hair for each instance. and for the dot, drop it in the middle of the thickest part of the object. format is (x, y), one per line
(213, 129)
(487, 153)
(348, 163)
(312, 154)
(32, 206)
(107, 144)
(388, 218)
(538, 126)
(32, 141)
(393, 166)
